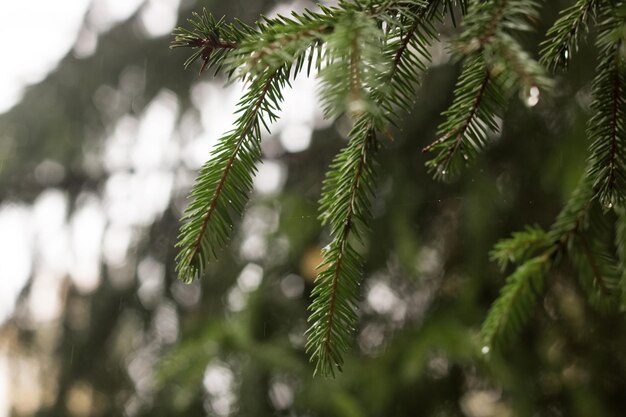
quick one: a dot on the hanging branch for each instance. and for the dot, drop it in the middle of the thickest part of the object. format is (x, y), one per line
(345, 201)
(478, 101)
(538, 253)
(606, 128)
(562, 38)
(348, 189)
(514, 306)
(495, 65)
(223, 184)
(225, 181)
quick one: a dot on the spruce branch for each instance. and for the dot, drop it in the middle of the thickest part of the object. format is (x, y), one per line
(345, 202)
(516, 301)
(568, 239)
(607, 130)
(495, 65)
(212, 40)
(345, 205)
(286, 40)
(579, 234)
(520, 247)
(514, 306)
(411, 35)
(562, 38)
(223, 184)
(479, 100)
(370, 55)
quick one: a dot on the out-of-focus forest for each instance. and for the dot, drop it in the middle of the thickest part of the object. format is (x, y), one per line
(97, 158)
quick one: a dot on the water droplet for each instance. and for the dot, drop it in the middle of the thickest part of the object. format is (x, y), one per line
(534, 91)
(443, 172)
(357, 106)
(533, 96)
(609, 206)
(566, 54)
(485, 350)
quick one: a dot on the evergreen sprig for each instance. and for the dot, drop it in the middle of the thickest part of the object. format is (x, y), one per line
(345, 206)
(224, 182)
(578, 234)
(211, 40)
(520, 247)
(607, 127)
(479, 102)
(495, 66)
(296, 40)
(515, 304)
(348, 189)
(562, 38)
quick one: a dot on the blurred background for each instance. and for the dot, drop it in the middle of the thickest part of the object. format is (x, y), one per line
(101, 134)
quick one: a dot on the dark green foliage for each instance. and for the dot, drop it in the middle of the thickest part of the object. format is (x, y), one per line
(349, 186)
(620, 241)
(367, 73)
(606, 127)
(370, 56)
